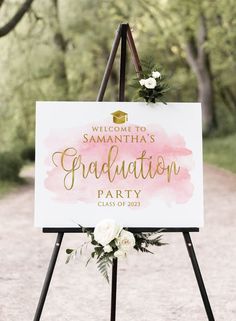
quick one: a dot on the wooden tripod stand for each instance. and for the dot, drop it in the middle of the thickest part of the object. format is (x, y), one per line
(124, 36)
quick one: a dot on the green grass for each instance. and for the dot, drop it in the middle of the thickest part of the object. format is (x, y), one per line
(221, 151)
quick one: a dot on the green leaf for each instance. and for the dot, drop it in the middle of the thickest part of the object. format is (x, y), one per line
(145, 250)
(112, 244)
(144, 239)
(93, 254)
(98, 250)
(88, 261)
(103, 263)
(71, 256)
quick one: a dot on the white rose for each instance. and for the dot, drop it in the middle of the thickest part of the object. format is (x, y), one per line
(142, 82)
(150, 83)
(119, 253)
(107, 249)
(156, 74)
(106, 231)
(125, 241)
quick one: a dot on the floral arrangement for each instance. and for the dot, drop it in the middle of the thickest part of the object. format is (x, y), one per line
(111, 241)
(151, 84)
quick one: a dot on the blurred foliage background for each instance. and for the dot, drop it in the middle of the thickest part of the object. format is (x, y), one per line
(58, 49)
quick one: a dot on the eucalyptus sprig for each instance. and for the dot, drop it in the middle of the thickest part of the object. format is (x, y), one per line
(145, 239)
(103, 259)
(110, 241)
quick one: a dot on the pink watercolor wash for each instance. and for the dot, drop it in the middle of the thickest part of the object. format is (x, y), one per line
(171, 147)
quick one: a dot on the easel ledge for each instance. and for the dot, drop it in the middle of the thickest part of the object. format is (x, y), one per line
(133, 230)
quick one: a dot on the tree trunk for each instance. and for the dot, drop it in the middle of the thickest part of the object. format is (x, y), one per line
(199, 61)
(60, 72)
(206, 97)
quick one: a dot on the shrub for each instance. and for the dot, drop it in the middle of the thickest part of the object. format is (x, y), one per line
(28, 153)
(10, 166)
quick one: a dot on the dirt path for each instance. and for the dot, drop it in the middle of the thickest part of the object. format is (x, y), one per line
(157, 287)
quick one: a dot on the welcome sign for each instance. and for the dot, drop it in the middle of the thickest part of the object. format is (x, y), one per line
(136, 163)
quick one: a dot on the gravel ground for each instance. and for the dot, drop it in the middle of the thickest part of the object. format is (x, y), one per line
(159, 287)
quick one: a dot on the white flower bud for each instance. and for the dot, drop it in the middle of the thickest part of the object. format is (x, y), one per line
(126, 241)
(142, 82)
(107, 249)
(150, 83)
(156, 74)
(119, 254)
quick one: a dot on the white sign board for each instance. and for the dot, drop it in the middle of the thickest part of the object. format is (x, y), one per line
(136, 163)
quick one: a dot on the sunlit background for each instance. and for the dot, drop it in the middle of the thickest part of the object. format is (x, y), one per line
(59, 49)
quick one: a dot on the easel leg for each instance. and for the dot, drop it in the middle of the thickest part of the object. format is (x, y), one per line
(113, 289)
(123, 35)
(198, 275)
(48, 276)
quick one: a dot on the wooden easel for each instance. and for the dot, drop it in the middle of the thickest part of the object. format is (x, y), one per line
(123, 35)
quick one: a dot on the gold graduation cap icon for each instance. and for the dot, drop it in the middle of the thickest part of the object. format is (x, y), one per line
(119, 117)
